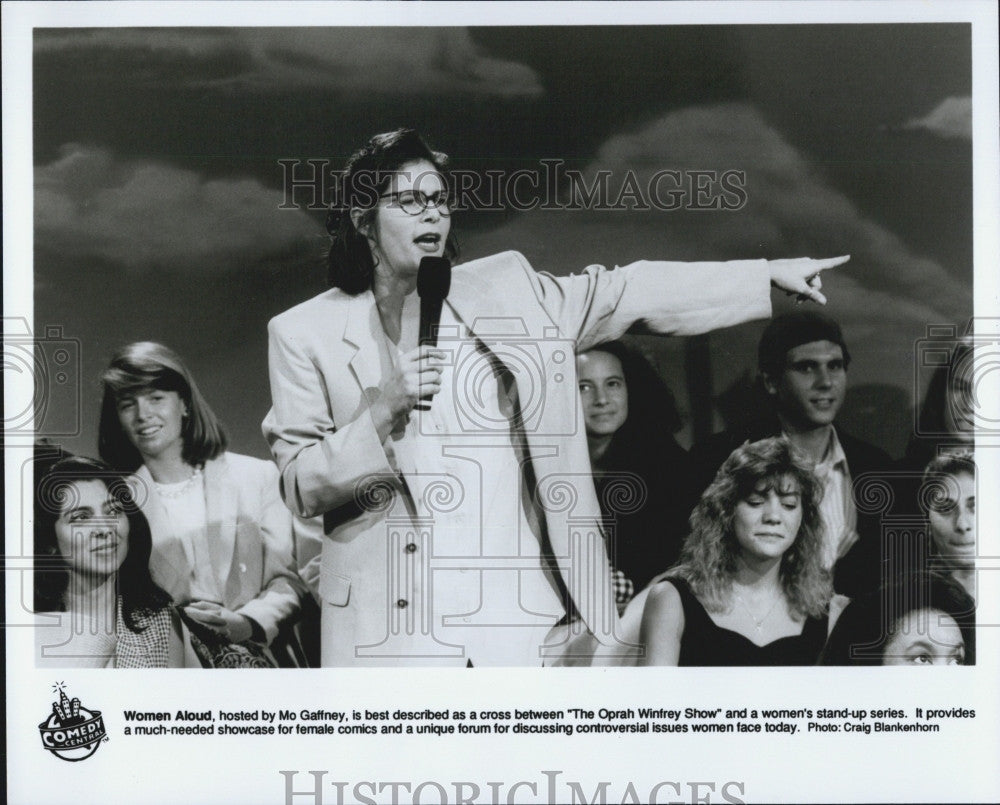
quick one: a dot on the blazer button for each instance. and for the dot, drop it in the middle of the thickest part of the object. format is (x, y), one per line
(243, 568)
(401, 603)
(411, 547)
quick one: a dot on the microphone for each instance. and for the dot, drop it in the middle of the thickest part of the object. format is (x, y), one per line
(433, 284)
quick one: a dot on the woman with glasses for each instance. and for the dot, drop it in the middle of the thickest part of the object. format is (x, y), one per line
(450, 529)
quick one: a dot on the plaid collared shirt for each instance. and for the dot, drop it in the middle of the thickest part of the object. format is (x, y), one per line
(623, 587)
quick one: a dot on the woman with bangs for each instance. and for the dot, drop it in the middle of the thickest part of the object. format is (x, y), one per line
(222, 538)
(750, 588)
(92, 584)
(360, 405)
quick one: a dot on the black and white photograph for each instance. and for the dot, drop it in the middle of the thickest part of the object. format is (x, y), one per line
(550, 402)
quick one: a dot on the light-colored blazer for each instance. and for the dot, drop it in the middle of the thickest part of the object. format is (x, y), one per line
(323, 357)
(249, 537)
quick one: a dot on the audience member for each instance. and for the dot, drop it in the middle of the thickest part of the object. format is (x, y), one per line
(750, 588)
(222, 538)
(802, 363)
(92, 545)
(919, 619)
(641, 474)
(948, 495)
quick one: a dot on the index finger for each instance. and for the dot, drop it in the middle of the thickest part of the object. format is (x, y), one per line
(830, 262)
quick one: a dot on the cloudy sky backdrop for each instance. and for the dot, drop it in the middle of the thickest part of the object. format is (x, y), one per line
(159, 191)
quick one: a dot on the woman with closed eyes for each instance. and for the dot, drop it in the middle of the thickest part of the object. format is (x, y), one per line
(750, 588)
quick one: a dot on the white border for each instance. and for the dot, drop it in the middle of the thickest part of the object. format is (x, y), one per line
(958, 765)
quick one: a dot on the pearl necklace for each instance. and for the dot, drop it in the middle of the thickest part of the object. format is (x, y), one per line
(758, 623)
(165, 490)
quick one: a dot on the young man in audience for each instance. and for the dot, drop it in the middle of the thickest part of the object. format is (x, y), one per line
(803, 361)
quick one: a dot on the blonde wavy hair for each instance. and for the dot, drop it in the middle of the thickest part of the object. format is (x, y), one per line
(708, 560)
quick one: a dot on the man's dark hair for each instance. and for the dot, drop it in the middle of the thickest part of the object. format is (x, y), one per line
(791, 330)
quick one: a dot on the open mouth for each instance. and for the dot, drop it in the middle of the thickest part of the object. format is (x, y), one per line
(146, 432)
(428, 241)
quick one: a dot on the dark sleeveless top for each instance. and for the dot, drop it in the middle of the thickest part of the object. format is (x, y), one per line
(706, 643)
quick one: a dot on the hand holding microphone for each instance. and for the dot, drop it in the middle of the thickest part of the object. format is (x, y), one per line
(416, 378)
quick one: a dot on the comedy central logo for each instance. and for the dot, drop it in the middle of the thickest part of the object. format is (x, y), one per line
(72, 732)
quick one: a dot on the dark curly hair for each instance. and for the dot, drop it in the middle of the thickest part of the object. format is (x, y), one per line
(868, 623)
(365, 177)
(652, 407)
(139, 593)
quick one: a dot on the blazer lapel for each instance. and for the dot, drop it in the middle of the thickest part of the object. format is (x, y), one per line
(168, 563)
(359, 332)
(222, 508)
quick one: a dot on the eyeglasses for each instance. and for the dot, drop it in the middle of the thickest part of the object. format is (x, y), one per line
(414, 202)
